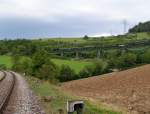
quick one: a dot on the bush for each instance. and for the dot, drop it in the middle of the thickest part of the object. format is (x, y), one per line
(66, 74)
(39, 66)
(22, 65)
(146, 57)
(86, 72)
(126, 60)
(100, 67)
(16, 61)
(48, 71)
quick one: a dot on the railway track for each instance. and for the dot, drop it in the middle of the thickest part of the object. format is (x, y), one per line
(16, 96)
(6, 88)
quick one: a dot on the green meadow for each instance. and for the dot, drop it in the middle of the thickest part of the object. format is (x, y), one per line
(6, 60)
(76, 65)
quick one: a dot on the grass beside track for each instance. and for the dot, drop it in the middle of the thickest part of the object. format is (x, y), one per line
(59, 98)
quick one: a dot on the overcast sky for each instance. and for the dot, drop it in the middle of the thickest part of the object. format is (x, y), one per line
(69, 18)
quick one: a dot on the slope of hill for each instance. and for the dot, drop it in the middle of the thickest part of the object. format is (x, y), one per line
(128, 89)
(141, 27)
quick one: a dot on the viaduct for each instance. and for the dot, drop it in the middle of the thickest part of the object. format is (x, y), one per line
(99, 49)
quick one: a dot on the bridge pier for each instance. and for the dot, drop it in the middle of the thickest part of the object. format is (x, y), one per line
(98, 53)
(77, 54)
(123, 50)
(62, 54)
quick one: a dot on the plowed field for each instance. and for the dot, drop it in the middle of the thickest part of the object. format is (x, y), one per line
(128, 89)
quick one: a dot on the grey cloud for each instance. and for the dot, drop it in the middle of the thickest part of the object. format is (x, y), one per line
(49, 18)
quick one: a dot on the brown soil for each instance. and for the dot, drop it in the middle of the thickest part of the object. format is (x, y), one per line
(128, 89)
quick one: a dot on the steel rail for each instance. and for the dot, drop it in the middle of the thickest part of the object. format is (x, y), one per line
(5, 100)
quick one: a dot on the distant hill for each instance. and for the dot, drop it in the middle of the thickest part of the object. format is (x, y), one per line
(141, 27)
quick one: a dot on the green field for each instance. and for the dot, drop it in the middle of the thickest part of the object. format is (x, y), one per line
(74, 64)
(6, 60)
(59, 99)
(110, 39)
(69, 40)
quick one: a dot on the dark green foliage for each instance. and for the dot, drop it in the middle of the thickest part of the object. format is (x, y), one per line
(16, 63)
(99, 67)
(48, 71)
(39, 66)
(43, 67)
(86, 72)
(22, 64)
(66, 74)
(141, 27)
(40, 58)
(146, 57)
(126, 60)
(27, 65)
(85, 37)
(17, 47)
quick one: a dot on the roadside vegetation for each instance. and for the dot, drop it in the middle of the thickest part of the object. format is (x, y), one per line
(54, 100)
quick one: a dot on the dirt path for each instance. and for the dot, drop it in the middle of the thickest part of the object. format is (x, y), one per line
(22, 100)
(128, 89)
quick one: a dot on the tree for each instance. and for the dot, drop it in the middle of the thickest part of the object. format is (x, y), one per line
(141, 27)
(22, 64)
(43, 67)
(48, 71)
(16, 63)
(27, 65)
(85, 37)
(40, 58)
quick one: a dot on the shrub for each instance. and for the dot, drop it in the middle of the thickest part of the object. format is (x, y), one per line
(126, 60)
(100, 67)
(66, 74)
(86, 72)
(48, 71)
(146, 57)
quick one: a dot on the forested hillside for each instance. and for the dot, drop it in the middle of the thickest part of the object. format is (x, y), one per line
(141, 27)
